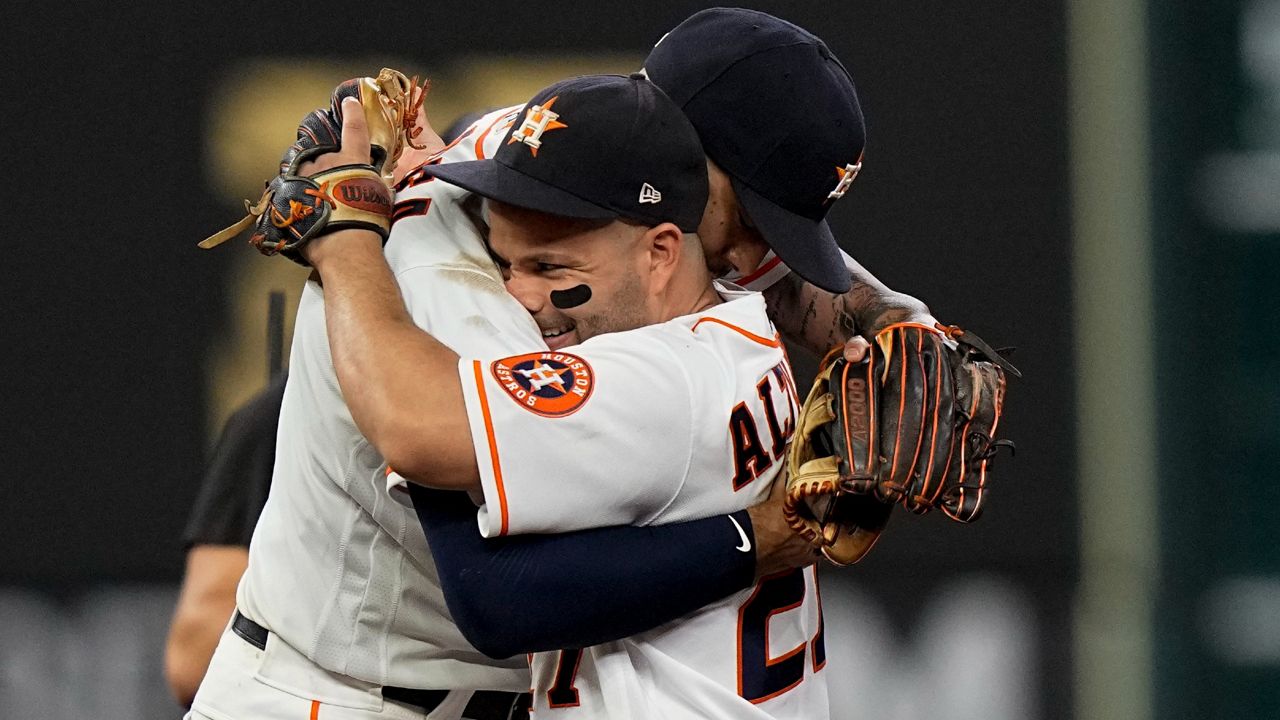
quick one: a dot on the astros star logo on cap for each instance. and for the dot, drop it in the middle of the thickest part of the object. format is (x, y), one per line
(846, 175)
(537, 120)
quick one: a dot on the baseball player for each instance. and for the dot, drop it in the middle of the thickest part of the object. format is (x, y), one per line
(480, 600)
(318, 626)
(340, 611)
(699, 374)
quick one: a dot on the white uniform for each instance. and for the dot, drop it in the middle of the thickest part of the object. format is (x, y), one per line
(771, 270)
(681, 420)
(338, 571)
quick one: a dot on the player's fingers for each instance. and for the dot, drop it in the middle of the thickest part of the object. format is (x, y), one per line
(856, 349)
(355, 131)
(411, 159)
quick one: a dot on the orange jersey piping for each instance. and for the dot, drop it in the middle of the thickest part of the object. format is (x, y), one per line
(493, 446)
(745, 333)
(758, 272)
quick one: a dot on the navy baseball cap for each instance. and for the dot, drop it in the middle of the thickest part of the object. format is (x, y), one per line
(779, 114)
(596, 147)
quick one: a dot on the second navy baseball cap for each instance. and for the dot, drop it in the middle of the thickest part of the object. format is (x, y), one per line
(779, 114)
(596, 147)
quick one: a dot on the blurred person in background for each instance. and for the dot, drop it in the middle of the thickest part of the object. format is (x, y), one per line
(234, 489)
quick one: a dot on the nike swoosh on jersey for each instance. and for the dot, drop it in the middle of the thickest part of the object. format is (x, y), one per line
(746, 542)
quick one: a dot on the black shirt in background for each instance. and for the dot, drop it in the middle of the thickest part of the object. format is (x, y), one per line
(238, 477)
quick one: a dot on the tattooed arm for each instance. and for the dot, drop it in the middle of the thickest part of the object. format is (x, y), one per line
(818, 321)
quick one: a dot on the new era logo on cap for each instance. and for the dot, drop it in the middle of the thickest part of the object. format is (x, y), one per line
(649, 194)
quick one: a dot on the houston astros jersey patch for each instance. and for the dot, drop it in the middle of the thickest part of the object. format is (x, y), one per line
(552, 384)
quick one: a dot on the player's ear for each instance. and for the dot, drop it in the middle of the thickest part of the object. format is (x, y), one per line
(665, 245)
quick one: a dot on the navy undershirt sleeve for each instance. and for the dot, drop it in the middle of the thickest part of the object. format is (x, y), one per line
(532, 593)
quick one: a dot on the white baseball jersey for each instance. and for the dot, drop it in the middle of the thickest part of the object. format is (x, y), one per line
(338, 569)
(682, 420)
(771, 270)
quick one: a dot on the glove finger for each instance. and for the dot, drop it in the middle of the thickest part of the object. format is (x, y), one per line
(902, 408)
(980, 392)
(322, 128)
(384, 130)
(819, 413)
(806, 485)
(348, 88)
(937, 431)
(852, 525)
(855, 397)
(814, 413)
(318, 129)
(845, 526)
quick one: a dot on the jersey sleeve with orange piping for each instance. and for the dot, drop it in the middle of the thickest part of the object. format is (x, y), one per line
(483, 319)
(597, 435)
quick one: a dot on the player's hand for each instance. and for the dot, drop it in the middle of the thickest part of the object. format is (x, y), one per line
(355, 142)
(778, 547)
(855, 349)
(355, 150)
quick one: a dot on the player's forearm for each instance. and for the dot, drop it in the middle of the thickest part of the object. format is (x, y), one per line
(188, 651)
(401, 384)
(873, 306)
(530, 593)
(207, 599)
(818, 320)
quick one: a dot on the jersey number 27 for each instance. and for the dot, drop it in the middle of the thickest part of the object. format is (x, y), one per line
(760, 676)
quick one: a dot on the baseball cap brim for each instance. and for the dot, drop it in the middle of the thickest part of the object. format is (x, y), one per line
(496, 181)
(805, 245)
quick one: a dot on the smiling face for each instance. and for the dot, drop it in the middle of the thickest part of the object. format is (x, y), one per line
(539, 253)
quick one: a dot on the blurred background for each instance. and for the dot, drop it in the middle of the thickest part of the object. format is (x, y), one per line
(1093, 181)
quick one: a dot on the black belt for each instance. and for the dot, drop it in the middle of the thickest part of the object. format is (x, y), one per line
(484, 704)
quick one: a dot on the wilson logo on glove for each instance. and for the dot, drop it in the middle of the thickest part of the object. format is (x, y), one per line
(366, 194)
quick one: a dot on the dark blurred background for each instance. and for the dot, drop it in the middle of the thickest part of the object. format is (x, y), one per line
(1092, 182)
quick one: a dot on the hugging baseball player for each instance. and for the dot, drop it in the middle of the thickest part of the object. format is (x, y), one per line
(607, 204)
(342, 613)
